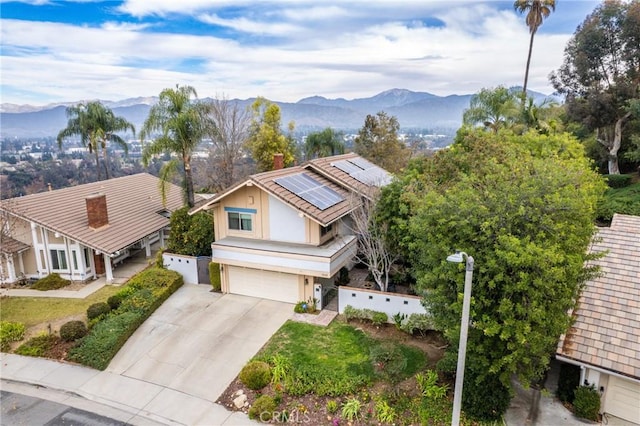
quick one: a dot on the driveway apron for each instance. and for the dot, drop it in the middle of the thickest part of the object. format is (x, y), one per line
(198, 341)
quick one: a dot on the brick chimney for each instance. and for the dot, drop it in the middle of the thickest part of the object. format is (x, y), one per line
(97, 210)
(278, 161)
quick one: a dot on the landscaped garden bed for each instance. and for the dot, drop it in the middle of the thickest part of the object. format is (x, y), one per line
(346, 373)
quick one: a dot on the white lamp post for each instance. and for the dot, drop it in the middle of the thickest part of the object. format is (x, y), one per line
(458, 257)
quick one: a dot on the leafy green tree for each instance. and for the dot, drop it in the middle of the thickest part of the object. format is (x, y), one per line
(96, 125)
(600, 74)
(181, 123)
(190, 235)
(378, 142)
(523, 206)
(323, 144)
(266, 138)
(495, 109)
(537, 11)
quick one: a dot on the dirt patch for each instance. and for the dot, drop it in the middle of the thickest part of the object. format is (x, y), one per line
(48, 327)
(315, 410)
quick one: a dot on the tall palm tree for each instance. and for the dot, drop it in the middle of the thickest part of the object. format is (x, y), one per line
(324, 143)
(493, 108)
(181, 124)
(537, 12)
(96, 125)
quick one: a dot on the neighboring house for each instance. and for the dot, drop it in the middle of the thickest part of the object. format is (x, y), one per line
(605, 338)
(82, 232)
(280, 232)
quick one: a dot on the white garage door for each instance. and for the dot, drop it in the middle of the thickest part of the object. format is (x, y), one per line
(264, 284)
(623, 399)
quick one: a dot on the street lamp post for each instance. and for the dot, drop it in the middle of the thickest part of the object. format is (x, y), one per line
(458, 257)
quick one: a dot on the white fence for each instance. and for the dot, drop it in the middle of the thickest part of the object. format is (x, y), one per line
(187, 266)
(389, 303)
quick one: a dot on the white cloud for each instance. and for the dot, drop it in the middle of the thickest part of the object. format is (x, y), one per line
(247, 26)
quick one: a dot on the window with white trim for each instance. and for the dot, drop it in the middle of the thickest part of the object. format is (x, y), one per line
(240, 221)
(58, 259)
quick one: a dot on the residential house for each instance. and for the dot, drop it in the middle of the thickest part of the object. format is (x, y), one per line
(82, 232)
(284, 234)
(605, 338)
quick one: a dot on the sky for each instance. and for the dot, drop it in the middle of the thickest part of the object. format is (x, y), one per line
(284, 50)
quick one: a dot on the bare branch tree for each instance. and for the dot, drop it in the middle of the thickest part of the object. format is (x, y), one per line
(228, 128)
(373, 250)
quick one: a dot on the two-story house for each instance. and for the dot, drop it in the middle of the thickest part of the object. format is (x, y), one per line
(279, 232)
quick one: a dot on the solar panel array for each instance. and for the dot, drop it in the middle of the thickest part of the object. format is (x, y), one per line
(309, 189)
(364, 171)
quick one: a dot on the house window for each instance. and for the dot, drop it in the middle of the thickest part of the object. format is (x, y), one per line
(324, 230)
(87, 258)
(239, 221)
(58, 259)
(75, 260)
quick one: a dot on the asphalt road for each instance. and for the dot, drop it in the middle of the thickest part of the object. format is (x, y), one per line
(18, 409)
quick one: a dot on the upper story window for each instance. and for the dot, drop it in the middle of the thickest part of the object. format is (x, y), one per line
(240, 221)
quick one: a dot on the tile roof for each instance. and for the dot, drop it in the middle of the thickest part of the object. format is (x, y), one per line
(133, 203)
(606, 332)
(10, 245)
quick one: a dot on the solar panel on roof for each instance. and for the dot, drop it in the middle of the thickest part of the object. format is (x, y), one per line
(364, 171)
(310, 190)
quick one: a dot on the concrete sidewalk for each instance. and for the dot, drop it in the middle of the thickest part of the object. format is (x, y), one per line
(145, 403)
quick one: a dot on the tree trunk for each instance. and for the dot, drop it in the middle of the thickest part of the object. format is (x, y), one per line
(106, 160)
(614, 145)
(188, 181)
(526, 71)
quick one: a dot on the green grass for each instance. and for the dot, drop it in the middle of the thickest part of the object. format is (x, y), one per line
(35, 310)
(333, 360)
(620, 200)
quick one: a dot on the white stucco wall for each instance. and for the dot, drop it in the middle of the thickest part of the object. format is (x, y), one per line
(187, 266)
(389, 303)
(284, 223)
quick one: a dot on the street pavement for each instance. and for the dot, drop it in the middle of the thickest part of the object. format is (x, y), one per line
(176, 365)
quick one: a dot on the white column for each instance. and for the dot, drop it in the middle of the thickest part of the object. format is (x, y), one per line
(36, 248)
(147, 247)
(11, 267)
(162, 238)
(45, 241)
(21, 263)
(107, 268)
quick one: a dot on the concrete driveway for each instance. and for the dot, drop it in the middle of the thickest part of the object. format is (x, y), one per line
(198, 341)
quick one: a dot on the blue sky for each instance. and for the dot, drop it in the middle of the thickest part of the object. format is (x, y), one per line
(285, 50)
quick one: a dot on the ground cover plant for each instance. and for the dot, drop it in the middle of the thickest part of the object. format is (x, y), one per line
(625, 200)
(50, 282)
(356, 373)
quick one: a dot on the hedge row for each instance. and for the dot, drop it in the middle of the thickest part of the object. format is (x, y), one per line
(139, 299)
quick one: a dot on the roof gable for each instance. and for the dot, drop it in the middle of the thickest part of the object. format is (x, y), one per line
(133, 203)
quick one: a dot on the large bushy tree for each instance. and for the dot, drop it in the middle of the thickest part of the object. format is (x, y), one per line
(524, 208)
(323, 144)
(600, 75)
(96, 125)
(180, 122)
(266, 138)
(190, 235)
(378, 142)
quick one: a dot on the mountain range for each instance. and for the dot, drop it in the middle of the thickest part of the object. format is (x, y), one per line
(414, 110)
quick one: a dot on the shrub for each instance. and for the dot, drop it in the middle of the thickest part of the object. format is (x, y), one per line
(262, 408)
(388, 360)
(568, 381)
(143, 295)
(619, 200)
(114, 301)
(351, 409)
(255, 375)
(428, 385)
(420, 323)
(72, 330)
(97, 310)
(618, 181)
(50, 282)
(214, 276)
(281, 368)
(332, 406)
(379, 318)
(398, 319)
(159, 262)
(384, 413)
(586, 403)
(37, 346)
(484, 397)
(190, 235)
(10, 332)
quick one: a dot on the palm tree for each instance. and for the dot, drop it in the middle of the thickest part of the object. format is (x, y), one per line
(181, 123)
(96, 125)
(494, 108)
(324, 143)
(537, 11)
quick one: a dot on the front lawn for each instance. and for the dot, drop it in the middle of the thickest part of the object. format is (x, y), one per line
(342, 374)
(32, 311)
